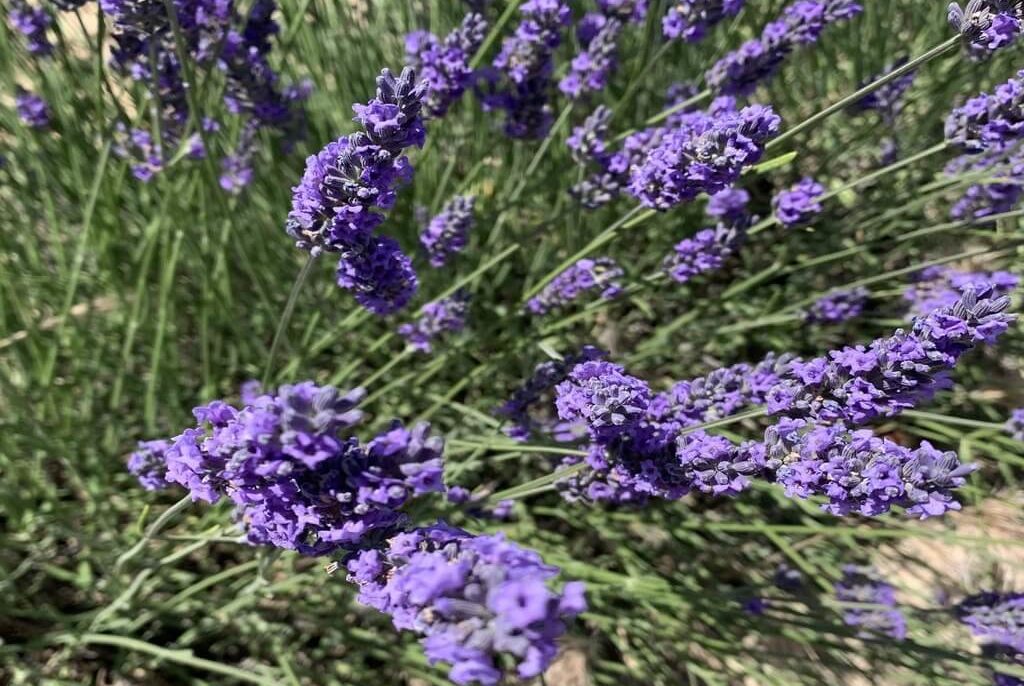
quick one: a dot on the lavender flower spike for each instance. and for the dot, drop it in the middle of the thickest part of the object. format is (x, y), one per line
(445, 64)
(995, 618)
(448, 315)
(690, 20)
(32, 23)
(448, 232)
(588, 72)
(1015, 424)
(32, 109)
(598, 393)
(476, 600)
(987, 26)
(800, 204)
(149, 465)
(837, 307)
(864, 586)
(989, 122)
(705, 252)
(600, 274)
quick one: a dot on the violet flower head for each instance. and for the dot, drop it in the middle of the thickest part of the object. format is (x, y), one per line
(32, 109)
(986, 26)
(837, 307)
(478, 602)
(938, 287)
(1015, 424)
(297, 480)
(600, 394)
(526, 63)
(589, 70)
(149, 465)
(32, 23)
(690, 20)
(378, 273)
(729, 206)
(634, 11)
(445, 64)
(800, 204)
(864, 585)
(989, 122)
(705, 155)
(860, 473)
(600, 275)
(439, 317)
(707, 251)
(448, 232)
(589, 141)
(236, 168)
(856, 385)
(714, 465)
(995, 618)
(887, 100)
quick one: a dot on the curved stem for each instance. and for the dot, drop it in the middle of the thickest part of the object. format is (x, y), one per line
(286, 316)
(154, 528)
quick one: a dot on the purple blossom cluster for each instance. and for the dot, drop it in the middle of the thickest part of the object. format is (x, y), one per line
(837, 307)
(988, 198)
(705, 152)
(858, 384)
(521, 81)
(757, 60)
(32, 109)
(860, 473)
(335, 205)
(477, 601)
(448, 232)
(800, 204)
(690, 20)
(995, 618)
(600, 395)
(938, 287)
(149, 465)
(297, 480)
(729, 206)
(1015, 424)
(706, 251)
(444, 64)
(887, 100)
(865, 586)
(439, 317)
(32, 23)
(544, 378)
(589, 70)
(989, 122)
(599, 275)
(986, 26)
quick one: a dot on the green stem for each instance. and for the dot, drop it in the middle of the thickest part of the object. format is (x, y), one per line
(494, 33)
(154, 528)
(516, 448)
(955, 421)
(938, 51)
(286, 316)
(665, 114)
(538, 156)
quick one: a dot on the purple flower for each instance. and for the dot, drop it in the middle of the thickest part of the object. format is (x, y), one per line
(856, 385)
(864, 586)
(296, 480)
(729, 206)
(600, 275)
(588, 71)
(837, 307)
(800, 204)
(601, 395)
(995, 618)
(988, 198)
(445, 64)
(589, 142)
(757, 60)
(378, 273)
(705, 252)
(706, 154)
(526, 65)
(236, 168)
(545, 377)
(149, 465)
(690, 20)
(860, 473)
(1015, 424)
(32, 109)
(448, 232)
(887, 100)
(476, 600)
(987, 25)
(448, 315)
(32, 23)
(938, 287)
(989, 122)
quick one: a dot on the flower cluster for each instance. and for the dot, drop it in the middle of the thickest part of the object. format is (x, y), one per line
(445, 64)
(475, 600)
(729, 206)
(938, 287)
(837, 307)
(705, 252)
(860, 473)
(149, 465)
(887, 100)
(800, 204)
(526, 63)
(334, 206)
(447, 315)
(589, 70)
(858, 384)
(757, 60)
(704, 153)
(998, 620)
(32, 109)
(600, 395)
(544, 378)
(296, 479)
(988, 197)
(864, 586)
(690, 20)
(986, 26)
(448, 232)
(1015, 424)
(32, 23)
(601, 275)
(989, 122)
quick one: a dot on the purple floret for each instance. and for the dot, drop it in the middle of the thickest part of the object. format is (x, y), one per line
(477, 601)
(800, 204)
(600, 275)
(887, 100)
(989, 122)
(589, 70)
(837, 307)
(729, 206)
(442, 316)
(32, 23)
(378, 273)
(149, 465)
(995, 618)
(445, 64)
(938, 287)
(448, 232)
(32, 109)
(986, 26)
(607, 400)
(864, 586)
(589, 141)
(1015, 424)
(706, 251)
(690, 20)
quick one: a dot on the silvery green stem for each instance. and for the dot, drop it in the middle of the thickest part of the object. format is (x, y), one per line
(286, 316)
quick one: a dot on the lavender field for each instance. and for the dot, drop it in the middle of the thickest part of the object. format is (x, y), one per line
(495, 342)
